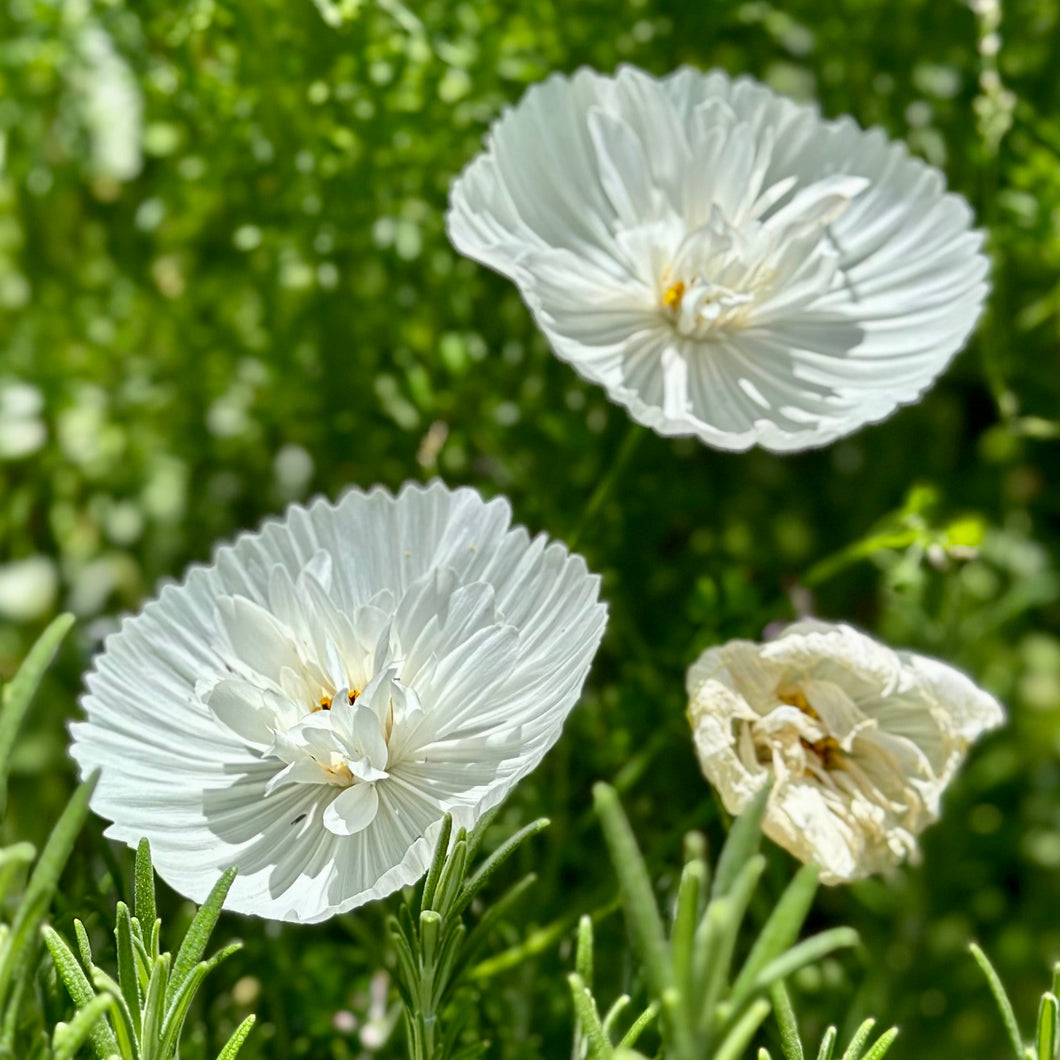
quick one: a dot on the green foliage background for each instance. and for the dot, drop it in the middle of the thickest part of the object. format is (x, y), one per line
(268, 307)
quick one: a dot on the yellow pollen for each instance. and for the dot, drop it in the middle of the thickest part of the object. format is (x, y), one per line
(672, 296)
(353, 694)
(325, 703)
(827, 748)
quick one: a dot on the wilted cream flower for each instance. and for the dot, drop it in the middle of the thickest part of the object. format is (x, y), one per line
(724, 261)
(859, 740)
(311, 705)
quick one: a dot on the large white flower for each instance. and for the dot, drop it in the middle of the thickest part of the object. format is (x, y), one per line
(859, 740)
(311, 705)
(724, 261)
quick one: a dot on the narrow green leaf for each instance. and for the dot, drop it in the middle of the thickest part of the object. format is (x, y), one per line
(857, 1043)
(780, 930)
(763, 1053)
(42, 884)
(639, 1026)
(881, 1045)
(128, 971)
(1045, 1039)
(12, 860)
(121, 1017)
(451, 880)
(729, 912)
(589, 1019)
(496, 911)
(194, 944)
(87, 1021)
(638, 898)
(478, 832)
(441, 850)
(154, 1012)
(1004, 1005)
(235, 1043)
(495, 861)
(583, 955)
(430, 930)
(827, 1049)
(686, 914)
(79, 989)
(739, 1038)
(1056, 980)
(741, 845)
(805, 952)
(17, 695)
(83, 945)
(177, 1011)
(619, 1006)
(790, 1040)
(144, 888)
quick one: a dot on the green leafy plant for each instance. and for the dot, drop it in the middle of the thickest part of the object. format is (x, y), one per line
(140, 1015)
(1046, 1042)
(19, 939)
(706, 1009)
(792, 1046)
(434, 947)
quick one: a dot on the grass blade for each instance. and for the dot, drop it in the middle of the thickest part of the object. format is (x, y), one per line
(589, 1019)
(790, 1040)
(80, 990)
(128, 972)
(42, 884)
(495, 861)
(235, 1043)
(739, 1038)
(69, 1037)
(827, 1045)
(806, 952)
(638, 898)
(857, 1043)
(1004, 1005)
(144, 888)
(881, 1045)
(1045, 1040)
(194, 944)
(17, 695)
(741, 845)
(780, 930)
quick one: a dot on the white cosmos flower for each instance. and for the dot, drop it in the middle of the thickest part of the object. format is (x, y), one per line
(308, 707)
(725, 262)
(859, 740)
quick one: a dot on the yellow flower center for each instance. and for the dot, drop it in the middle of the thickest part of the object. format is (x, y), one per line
(672, 296)
(827, 748)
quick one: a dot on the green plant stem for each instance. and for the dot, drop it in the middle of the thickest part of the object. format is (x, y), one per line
(608, 482)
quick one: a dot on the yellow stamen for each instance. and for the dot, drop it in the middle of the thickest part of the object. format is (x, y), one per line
(827, 748)
(325, 703)
(673, 295)
(353, 694)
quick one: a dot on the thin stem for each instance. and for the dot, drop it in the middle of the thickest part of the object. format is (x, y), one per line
(607, 483)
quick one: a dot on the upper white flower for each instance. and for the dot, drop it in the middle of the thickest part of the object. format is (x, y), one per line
(311, 705)
(859, 740)
(724, 261)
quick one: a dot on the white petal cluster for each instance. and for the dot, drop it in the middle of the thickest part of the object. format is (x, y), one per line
(859, 740)
(725, 262)
(308, 707)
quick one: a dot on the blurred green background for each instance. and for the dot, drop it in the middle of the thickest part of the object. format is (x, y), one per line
(225, 285)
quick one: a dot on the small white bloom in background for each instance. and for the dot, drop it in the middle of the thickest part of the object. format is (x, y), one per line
(22, 431)
(859, 740)
(110, 102)
(724, 261)
(28, 588)
(308, 707)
